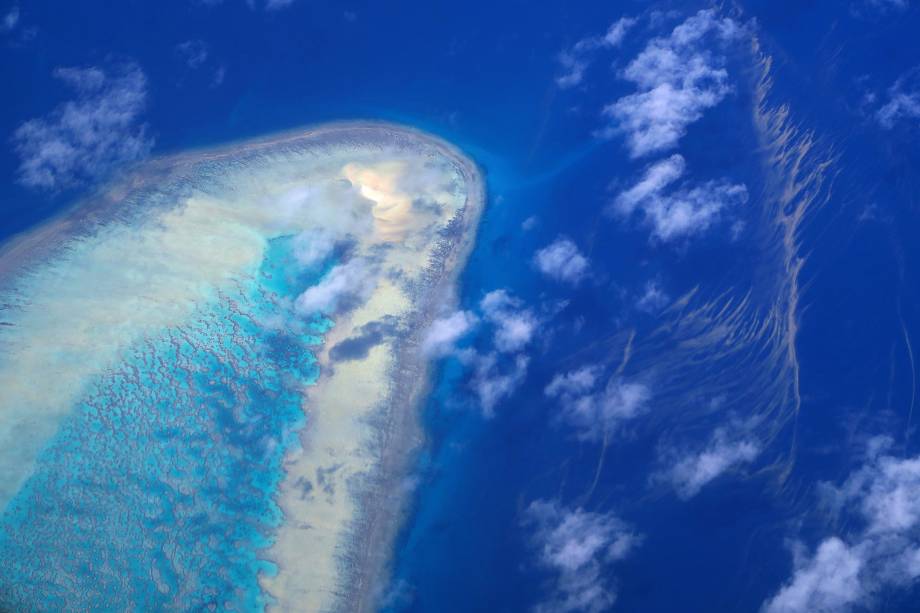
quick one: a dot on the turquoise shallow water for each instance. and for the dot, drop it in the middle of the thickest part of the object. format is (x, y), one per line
(157, 492)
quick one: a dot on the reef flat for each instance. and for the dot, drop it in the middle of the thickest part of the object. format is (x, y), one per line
(210, 369)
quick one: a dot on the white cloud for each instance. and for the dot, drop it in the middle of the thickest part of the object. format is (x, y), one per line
(677, 79)
(692, 471)
(653, 298)
(680, 213)
(827, 583)
(595, 412)
(514, 324)
(576, 382)
(618, 30)
(10, 20)
(903, 100)
(578, 547)
(444, 332)
(312, 247)
(494, 381)
(561, 260)
(85, 137)
(657, 177)
(342, 288)
(575, 61)
(884, 496)
(193, 52)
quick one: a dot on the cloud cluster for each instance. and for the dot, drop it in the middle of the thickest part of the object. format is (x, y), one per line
(561, 260)
(843, 575)
(498, 371)
(597, 409)
(677, 78)
(575, 61)
(84, 138)
(678, 213)
(724, 452)
(903, 101)
(578, 547)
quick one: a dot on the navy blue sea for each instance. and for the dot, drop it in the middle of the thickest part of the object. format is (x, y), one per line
(841, 283)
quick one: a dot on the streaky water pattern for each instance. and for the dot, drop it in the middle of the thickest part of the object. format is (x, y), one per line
(157, 491)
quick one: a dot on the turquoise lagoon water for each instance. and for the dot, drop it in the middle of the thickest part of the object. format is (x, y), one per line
(157, 490)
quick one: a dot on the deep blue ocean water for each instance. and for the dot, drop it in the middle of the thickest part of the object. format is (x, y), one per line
(481, 75)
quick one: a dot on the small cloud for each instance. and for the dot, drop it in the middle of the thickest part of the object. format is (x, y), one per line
(575, 383)
(312, 247)
(275, 5)
(562, 261)
(84, 138)
(495, 380)
(575, 61)
(514, 324)
(680, 213)
(594, 411)
(444, 333)
(530, 223)
(10, 20)
(579, 547)
(341, 289)
(618, 30)
(219, 75)
(653, 298)
(193, 52)
(886, 6)
(677, 80)
(691, 472)
(903, 101)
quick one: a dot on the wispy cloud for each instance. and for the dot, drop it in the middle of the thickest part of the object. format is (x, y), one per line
(678, 213)
(87, 136)
(575, 60)
(677, 78)
(847, 574)
(561, 260)
(579, 547)
(903, 100)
